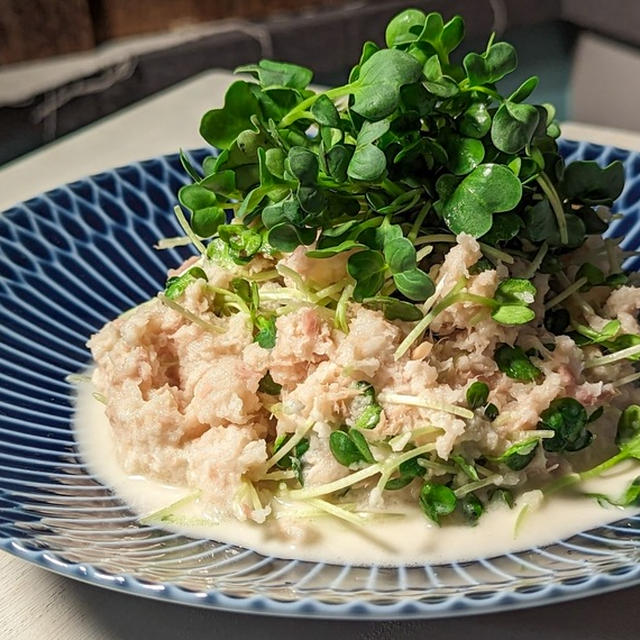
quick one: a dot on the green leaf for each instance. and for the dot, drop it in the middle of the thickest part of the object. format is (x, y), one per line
(188, 167)
(513, 314)
(361, 444)
(266, 335)
(432, 29)
(365, 409)
(221, 127)
(222, 182)
(275, 102)
(437, 82)
(540, 223)
(513, 362)
(243, 242)
(475, 122)
(594, 275)
(206, 215)
(468, 468)
(524, 90)
(415, 284)
(286, 237)
(267, 385)
(472, 508)
(400, 255)
(368, 49)
(491, 412)
(344, 449)
(491, 66)
(368, 162)
(505, 227)
(445, 186)
(628, 425)
(513, 126)
(205, 222)
(394, 309)
(584, 181)
(302, 163)
(452, 34)
(516, 291)
(519, 455)
(568, 419)
(334, 250)
(367, 269)
(325, 112)
(436, 501)
(464, 154)
(176, 286)
(404, 28)
(194, 197)
(477, 394)
(488, 189)
(278, 74)
(338, 158)
(377, 90)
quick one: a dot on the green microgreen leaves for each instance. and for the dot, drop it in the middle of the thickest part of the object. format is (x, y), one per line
(278, 74)
(472, 508)
(514, 295)
(407, 471)
(365, 409)
(588, 183)
(488, 189)
(436, 501)
(628, 426)
(415, 145)
(368, 162)
(350, 447)
(477, 394)
(376, 92)
(267, 385)
(264, 324)
(293, 459)
(514, 363)
(495, 63)
(221, 127)
(513, 126)
(206, 215)
(367, 269)
(568, 419)
(176, 285)
(519, 455)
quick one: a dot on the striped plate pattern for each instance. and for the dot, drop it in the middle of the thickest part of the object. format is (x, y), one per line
(77, 256)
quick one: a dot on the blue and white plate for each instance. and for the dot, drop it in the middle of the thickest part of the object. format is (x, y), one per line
(79, 255)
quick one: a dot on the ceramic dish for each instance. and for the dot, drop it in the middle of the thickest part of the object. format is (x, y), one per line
(79, 255)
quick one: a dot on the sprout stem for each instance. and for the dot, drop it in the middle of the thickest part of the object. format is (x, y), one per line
(563, 295)
(554, 200)
(186, 227)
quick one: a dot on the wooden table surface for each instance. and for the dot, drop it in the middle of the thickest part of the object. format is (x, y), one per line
(38, 605)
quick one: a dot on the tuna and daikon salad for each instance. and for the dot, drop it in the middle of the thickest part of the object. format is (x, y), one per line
(400, 302)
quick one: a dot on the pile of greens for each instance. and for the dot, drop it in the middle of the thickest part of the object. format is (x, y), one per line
(414, 148)
(418, 147)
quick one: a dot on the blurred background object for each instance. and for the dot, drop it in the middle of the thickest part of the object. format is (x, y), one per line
(67, 63)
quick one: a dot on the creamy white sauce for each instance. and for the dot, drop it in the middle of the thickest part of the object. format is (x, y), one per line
(387, 540)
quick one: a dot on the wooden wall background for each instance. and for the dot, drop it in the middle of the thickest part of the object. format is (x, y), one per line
(32, 29)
